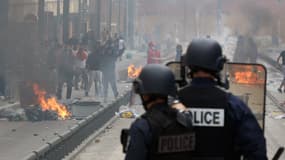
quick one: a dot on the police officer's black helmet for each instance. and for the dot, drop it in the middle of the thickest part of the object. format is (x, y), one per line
(155, 79)
(206, 54)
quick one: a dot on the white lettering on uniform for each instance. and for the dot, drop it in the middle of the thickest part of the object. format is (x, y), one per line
(207, 117)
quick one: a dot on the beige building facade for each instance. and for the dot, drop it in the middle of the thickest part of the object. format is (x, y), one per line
(19, 9)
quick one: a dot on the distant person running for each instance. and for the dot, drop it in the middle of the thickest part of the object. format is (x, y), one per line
(282, 85)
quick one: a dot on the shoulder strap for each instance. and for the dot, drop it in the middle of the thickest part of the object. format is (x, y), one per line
(157, 119)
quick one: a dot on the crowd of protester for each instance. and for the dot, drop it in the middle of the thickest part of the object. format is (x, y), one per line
(81, 63)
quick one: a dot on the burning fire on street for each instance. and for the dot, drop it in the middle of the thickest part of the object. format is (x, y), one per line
(50, 104)
(248, 76)
(133, 72)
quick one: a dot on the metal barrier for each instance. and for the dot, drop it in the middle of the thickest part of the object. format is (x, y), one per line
(65, 143)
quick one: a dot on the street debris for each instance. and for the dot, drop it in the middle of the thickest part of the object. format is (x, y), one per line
(35, 113)
(12, 114)
(277, 115)
(126, 112)
(280, 116)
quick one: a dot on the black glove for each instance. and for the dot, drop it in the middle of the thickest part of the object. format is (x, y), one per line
(125, 139)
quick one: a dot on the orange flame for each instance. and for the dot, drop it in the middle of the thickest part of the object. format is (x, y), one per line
(248, 77)
(134, 72)
(50, 103)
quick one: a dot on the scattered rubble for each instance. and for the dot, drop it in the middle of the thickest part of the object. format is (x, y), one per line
(13, 114)
(126, 112)
(280, 117)
(35, 113)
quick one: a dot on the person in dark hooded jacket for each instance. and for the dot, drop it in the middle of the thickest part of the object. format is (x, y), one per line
(108, 66)
(94, 67)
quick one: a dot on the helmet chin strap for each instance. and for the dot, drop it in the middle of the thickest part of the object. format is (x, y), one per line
(225, 84)
(151, 101)
(145, 103)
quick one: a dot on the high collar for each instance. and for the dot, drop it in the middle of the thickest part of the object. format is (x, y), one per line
(159, 106)
(203, 82)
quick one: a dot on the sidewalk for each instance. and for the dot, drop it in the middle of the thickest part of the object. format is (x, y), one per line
(107, 145)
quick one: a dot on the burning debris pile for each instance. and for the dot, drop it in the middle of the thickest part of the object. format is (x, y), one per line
(249, 76)
(133, 72)
(35, 113)
(130, 73)
(47, 109)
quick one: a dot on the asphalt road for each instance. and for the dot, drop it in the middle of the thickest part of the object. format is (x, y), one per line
(18, 139)
(107, 145)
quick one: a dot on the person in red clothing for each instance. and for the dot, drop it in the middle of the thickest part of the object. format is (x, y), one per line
(82, 54)
(153, 54)
(157, 55)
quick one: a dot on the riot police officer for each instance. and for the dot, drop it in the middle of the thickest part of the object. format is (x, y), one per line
(162, 132)
(224, 126)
